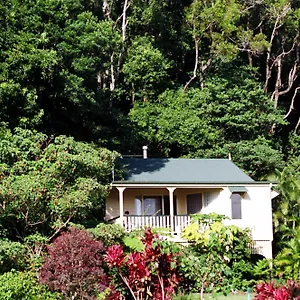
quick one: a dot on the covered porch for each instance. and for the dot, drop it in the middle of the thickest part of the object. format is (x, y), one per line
(160, 206)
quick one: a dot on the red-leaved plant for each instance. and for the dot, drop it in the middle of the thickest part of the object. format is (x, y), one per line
(74, 266)
(269, 291)
(150, 274)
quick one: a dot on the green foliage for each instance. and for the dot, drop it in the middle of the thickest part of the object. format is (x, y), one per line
(24, 285)
(145, 69)
(49, 181)
(12, 256)
(108, 234)
(49, 69)
(288, 260)
(219, 259)
(230, 114)
(208, 18)
(207, 220)
(35, 245)
(263, 269)
(133, 243)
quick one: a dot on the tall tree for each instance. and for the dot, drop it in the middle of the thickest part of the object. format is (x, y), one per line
(46, 182)
(228, 115)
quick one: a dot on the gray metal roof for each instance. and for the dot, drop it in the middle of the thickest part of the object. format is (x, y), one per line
(238, 189)
(182, 170)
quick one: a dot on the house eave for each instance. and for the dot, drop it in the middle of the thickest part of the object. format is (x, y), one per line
(130, 184)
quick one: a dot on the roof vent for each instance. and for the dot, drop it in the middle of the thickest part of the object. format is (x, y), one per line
(145, 153)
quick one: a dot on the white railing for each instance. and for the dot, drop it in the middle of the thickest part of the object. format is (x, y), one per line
(180, 222)
(135, 222)
(176, 224)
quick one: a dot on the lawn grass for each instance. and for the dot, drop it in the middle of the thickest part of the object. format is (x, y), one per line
(214, 297)
(229, 297)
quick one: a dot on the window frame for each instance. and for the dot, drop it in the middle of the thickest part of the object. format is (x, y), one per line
(234, 215)
(162, 199)
(202, 202)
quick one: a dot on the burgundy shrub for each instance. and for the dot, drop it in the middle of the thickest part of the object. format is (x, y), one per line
(74, 266)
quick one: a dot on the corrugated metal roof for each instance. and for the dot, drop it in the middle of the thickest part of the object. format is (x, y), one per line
(181, 170)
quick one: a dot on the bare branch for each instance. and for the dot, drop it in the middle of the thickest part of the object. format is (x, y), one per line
(124, 25)
(60, 228)
(106, 9)
(297, 125)
(277, 25)
(196, 64)
(292, 102)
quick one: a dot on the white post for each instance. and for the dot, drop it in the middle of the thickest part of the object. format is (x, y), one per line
(121, 203)
(171, 197)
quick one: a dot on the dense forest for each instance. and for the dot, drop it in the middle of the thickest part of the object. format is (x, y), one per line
(187, 78)
(85, 81)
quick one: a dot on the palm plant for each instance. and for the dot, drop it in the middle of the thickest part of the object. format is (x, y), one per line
(288, 260)
(287, 214)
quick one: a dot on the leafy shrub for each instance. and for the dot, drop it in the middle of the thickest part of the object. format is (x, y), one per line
(204, 272)
(108, 234)
(219, 260)
(17, 285)
(47, 182)
(149, 274)
(263, 269)
(11, 256)
(273, 292)
(74, 266)
(287, 261)
(35, 245)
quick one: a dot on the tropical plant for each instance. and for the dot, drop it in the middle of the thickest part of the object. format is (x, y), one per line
(287, 208)
(263, 269)
(287, 260)
(149, 274)
(290, 291)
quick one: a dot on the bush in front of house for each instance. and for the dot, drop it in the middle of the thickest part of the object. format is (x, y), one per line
(108, 234)
(290, 291)
(150, 273)
(16, 285)
(218, 258)
(74, 266)
(11, 256)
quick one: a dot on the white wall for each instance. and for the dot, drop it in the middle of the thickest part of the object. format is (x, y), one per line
(256, 210)
(256, 207)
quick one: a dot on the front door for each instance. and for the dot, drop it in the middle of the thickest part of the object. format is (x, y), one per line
(194, 203)
(167, 205)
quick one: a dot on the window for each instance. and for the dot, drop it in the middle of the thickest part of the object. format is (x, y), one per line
(153, 205)
(194, 203)
(236, 206)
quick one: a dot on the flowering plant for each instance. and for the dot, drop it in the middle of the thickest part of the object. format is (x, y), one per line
(269, 291)
(150, 274)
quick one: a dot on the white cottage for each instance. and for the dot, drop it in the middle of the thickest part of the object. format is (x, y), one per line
(164, 192)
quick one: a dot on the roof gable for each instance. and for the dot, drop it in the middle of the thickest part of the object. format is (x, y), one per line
(181, 170)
